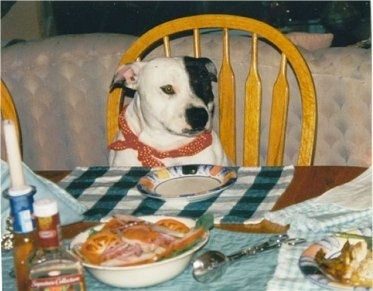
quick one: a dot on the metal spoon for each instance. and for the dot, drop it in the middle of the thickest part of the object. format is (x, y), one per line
(211, 265)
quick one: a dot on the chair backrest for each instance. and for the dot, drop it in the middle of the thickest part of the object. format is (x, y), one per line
(8, 109)
(290, 55)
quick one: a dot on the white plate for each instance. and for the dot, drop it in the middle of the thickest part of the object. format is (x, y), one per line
(146, 274)
(188, 182)
(332, 247)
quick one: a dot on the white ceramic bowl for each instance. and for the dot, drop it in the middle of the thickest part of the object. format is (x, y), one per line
(146, 274)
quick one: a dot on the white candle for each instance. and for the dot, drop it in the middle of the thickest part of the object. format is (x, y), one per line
(14, 155)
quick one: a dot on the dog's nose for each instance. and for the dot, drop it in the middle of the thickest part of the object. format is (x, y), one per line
(197, 117)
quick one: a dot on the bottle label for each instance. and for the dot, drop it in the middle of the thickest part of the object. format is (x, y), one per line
(59, 283)
(21, 210)
(49, 231)
(24, 221)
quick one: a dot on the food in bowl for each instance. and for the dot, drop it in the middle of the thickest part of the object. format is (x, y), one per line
(128, 241)
(353, 266)
(130, 251)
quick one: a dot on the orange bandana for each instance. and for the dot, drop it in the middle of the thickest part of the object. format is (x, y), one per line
(148, 156)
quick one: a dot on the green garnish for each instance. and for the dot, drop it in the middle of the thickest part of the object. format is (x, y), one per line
(206, 221)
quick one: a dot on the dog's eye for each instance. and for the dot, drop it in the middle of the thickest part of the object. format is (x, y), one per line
(168, 89)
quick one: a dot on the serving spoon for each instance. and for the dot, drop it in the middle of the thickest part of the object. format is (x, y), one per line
(211, 265)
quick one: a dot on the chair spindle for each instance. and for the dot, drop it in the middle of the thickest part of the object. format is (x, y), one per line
(253, 93)
(279, 112)
(227, 104)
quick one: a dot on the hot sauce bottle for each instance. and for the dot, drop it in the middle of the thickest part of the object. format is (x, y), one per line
(52, 267)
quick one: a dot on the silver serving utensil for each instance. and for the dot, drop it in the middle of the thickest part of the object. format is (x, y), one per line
(211, 265)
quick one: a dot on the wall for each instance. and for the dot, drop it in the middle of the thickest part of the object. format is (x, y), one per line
(26, 20)
(349, 21)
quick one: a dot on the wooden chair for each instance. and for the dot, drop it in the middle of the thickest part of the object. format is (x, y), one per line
(8, 109)
(290, 55)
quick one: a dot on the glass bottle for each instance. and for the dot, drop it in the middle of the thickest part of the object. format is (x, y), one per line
(24, 234)
(52, 267)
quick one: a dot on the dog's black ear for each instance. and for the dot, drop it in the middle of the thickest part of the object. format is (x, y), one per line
(210, 66)
(201, 65)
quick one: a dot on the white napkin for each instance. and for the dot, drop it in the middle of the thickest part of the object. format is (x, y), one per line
(69, 208)
(346, 206)
(358, 191)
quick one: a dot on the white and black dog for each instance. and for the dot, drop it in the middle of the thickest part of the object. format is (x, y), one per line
(169, 121)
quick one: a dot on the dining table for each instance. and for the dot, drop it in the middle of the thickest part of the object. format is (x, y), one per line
(275, 270)
(308, 182)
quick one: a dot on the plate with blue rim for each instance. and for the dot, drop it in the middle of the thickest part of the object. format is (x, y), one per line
(332, 247)
(190, 183)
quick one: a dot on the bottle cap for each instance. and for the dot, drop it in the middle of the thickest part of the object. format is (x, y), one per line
(45, 207)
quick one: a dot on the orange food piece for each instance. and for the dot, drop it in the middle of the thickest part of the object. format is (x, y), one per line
(112, 224)
(184, 242)
(96, 244)
(188, 239)
(173, 225)
(142, 233)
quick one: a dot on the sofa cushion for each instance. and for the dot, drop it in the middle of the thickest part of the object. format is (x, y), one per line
(60, 87)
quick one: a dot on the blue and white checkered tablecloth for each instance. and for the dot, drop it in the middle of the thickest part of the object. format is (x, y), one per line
(107, 190)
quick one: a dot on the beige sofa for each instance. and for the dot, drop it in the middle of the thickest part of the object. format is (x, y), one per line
(60, 85)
